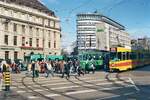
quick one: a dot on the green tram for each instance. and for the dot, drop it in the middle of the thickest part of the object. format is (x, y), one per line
(40, 57)
(54, 57)
(95, 57)
(37, 57)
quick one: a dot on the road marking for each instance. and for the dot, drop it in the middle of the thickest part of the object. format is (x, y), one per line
(13, 87)
(34, 86)
(52, 95)
(38, 90)
(118, 82)
(109, 97)
(66, 87)
(21, 87)
(83, 91)
(21, 91)
(132, 82)
(77, 82)
(127, 94)
(59, 80)
(76, 86)
(33, 97)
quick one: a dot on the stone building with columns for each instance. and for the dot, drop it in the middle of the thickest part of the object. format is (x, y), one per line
(27, 27)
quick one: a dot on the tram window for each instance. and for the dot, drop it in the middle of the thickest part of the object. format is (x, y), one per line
(97, 57)
(133, 55)
(119, 56)
(84, 57)
(90, 57)
(123, 56)
(142, 56)
(80, 57)
(113, 55)
(128, 55)
(139, 55)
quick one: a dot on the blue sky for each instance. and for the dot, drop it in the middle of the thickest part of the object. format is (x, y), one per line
(133, 14)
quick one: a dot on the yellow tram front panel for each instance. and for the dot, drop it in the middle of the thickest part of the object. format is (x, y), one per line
(121, 65)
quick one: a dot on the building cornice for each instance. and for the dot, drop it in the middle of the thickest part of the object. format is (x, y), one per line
(28, 22)
(28, 10)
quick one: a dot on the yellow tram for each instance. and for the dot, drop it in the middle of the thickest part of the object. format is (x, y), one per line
(122, 59)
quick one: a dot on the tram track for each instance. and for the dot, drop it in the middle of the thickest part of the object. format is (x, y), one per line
(53, 91)
(35, 92)
(118, 77)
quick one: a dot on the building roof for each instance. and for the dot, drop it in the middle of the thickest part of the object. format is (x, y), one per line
(103, 18)
(112, 22)
(35, 4)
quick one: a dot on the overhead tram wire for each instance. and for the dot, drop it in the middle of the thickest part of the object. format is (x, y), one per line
(67, 20)
(111, 6)
(78, 7)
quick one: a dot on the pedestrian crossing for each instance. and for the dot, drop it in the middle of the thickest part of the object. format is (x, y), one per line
(75, 88)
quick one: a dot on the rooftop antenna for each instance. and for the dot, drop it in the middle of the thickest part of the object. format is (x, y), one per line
(95, 11)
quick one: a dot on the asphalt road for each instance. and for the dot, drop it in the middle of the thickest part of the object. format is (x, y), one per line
(129, 85)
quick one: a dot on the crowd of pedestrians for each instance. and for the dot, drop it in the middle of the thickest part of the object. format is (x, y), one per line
(51, 67)
(46, 68)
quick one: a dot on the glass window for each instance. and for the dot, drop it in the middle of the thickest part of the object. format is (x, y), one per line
(37, 42)
(15, 55)
(113, 55)
(133, 56)
(128, 55)
(23, 28)
(37, 31)
(52, 23)
(30, 29)
(124, 56)
(119, 55)
(54, 35)
(15, 27)
(85, 57)
(54, 44)
(6, 26)
(6, 39)
(15, 40)
(30, 41)
(23, 41)
(6, 55)
(80, 57)
(49, 44)
(49, 34)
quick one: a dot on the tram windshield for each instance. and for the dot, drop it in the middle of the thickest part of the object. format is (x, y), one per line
(114, 56)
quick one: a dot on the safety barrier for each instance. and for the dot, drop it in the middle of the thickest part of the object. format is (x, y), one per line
(7, 80)
(1, 81)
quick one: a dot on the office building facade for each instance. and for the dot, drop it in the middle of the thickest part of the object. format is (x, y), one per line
(95, 31)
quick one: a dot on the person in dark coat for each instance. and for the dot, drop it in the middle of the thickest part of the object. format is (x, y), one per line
(33, 69)
(79, 69)
(66, 69)
(106, 62)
